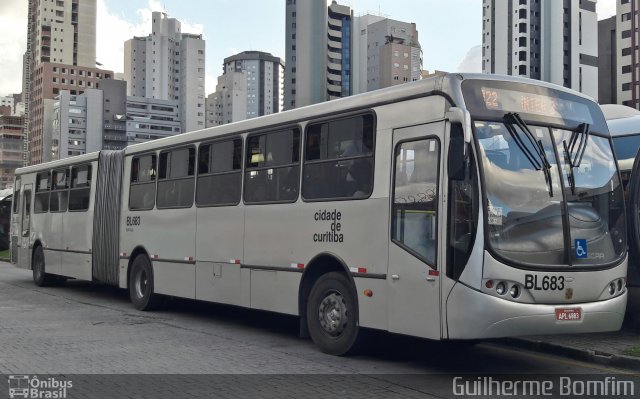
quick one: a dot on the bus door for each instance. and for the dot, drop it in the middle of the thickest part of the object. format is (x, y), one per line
(24, 253)
(413, 273)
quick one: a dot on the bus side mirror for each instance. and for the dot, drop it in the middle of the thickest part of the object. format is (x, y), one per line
(457, 159)
(458, 116)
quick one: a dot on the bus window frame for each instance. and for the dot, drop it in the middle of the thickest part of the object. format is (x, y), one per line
(328, 119)
(71, 187)
(67, 172)
(39, 192)
(246, 169)
(17, 188)
(155, 180)
(241, 170)
(169, 179)
(437, 202)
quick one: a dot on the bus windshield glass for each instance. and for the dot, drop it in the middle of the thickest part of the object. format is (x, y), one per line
(553, 195)
(526, 207)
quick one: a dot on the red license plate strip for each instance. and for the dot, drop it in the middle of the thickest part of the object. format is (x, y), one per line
(568, 314)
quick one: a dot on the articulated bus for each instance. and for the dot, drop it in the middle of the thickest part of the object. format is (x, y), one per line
(458, 207)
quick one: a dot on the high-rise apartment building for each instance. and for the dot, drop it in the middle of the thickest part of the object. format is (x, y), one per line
(250, 86)
(627, 70)
(306, 70)
(11, 141)
(168, 65)
(607, 61)
(61, 55)
(151, 119)
(76, 124)
(339, 51)
(360, 51)
(49, 81)
(114, 114)
(394, 54)
(551, 40)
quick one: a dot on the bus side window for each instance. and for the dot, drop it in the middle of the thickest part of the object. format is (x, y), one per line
(415, 198)
(273, 167)
(80, 193)
(176, 178)
(339, 159)
(16, 200)
(142, 189)
(59, 192)
(219, 173)
(43, 185)
(26, 216)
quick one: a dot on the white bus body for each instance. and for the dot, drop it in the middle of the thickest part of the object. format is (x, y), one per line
(390, 210)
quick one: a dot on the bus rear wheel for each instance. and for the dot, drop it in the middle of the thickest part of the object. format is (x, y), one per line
(40, 278)
(331, 315)
(141, 285)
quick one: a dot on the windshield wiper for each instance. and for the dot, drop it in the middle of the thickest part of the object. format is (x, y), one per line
(537, 158)
(574, 159)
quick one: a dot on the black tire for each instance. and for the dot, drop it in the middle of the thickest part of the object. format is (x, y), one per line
(332, 315)
(40, 278)
(141, 285)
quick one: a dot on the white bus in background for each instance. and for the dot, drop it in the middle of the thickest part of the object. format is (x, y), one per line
(624, 125)
(457, 207)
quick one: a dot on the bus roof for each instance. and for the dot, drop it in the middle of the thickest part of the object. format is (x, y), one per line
(59, 163)
(447, 85)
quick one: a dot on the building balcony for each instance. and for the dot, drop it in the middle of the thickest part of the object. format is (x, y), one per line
(335, 34)
(335, 57)
(334, 88)
(334, 66)
(335, 21)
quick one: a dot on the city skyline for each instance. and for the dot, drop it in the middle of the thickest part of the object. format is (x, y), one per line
(118, 21)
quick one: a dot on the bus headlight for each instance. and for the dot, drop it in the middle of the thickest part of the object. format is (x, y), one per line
(501, 288)
(514, 291)
(612, 288)
(620, 284)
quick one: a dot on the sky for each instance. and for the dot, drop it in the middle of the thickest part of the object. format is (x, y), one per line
(450, 31)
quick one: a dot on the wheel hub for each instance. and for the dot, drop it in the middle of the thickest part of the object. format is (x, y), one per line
(332, 314)
(141, 284)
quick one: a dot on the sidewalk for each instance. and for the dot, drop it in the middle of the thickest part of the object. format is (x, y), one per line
(611, 349)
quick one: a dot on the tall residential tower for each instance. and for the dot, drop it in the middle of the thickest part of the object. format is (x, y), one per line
(168, 65)
(306, 68)
(251, 86)
(551, 40)
(61, 55)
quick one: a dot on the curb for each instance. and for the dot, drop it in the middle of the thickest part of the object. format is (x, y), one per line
(585, 355)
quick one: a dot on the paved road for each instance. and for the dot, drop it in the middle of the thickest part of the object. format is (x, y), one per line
(84, 328)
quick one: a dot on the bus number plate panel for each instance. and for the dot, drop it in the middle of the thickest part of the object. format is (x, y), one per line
(570, 314)
(544, 283)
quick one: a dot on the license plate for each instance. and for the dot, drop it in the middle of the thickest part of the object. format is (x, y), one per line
(573, 314)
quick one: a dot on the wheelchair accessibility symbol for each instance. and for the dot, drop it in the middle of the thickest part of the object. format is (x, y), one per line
(581, 249)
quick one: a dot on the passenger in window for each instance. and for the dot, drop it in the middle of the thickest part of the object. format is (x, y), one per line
(358, 179)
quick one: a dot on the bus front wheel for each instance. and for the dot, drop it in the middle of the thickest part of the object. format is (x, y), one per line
(40, 278)
(331, 315)
(141, 285)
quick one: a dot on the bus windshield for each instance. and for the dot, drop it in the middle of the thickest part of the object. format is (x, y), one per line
(527, 203)
(553, 195)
